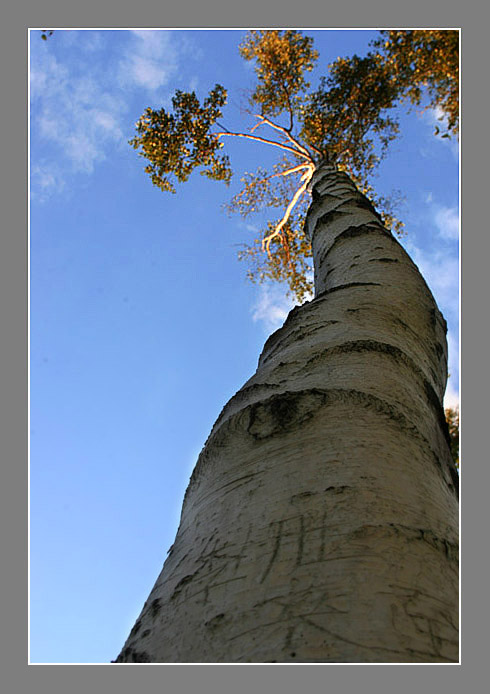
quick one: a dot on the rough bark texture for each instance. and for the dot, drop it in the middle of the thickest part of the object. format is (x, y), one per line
(321, 521)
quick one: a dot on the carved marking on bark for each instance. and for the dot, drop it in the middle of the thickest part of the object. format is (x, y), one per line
(440, 545)
(323, 528)
(275, 550)
(301, 540)
(375, 649)
(243, 548)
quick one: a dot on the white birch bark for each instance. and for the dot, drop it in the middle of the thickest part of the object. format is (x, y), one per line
(320, 523)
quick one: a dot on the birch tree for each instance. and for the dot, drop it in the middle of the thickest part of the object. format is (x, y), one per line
(320, 523)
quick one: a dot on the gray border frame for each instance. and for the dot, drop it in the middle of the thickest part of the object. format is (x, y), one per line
(472, 17)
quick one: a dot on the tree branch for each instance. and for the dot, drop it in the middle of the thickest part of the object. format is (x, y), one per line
(283, 130)
(286, 172)
(295, 151)
(224, 129)
(290, 108)
(289, 171)
(306, 177)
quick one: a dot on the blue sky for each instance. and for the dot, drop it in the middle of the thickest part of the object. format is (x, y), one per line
(142, 321)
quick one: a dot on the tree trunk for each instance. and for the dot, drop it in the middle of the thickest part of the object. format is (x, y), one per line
(320, 523)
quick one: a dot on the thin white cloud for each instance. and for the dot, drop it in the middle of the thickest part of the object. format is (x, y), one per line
(77, 105)
(272, 307)
(93, 41)
(46, 179)
(151, 60)
(45, 75)
(85, 40)
(447, 222)
(442, 218)
(439, 262)
(76, 113)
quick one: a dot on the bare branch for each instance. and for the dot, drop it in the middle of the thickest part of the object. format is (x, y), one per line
(286, 172)
(222, 126)
(290, 171)
(257, 124)
(295, 151)
(306, 177)
(315, 149)
(285, 131)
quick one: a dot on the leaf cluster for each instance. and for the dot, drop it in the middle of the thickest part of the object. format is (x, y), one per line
(176, 143)
(346, 117)
(281, 59)
(427, 60)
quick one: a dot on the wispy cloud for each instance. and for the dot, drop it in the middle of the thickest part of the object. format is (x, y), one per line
(447, 222)
(80, 101)
(46, 179)
(150, 61)
(438, 260)
(77, 114)
(272, 307)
